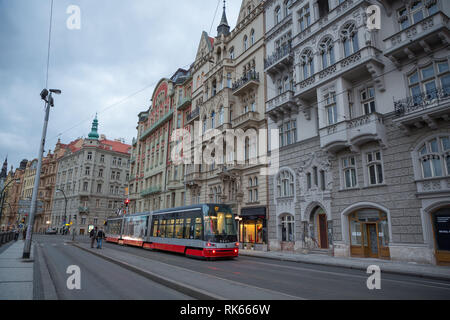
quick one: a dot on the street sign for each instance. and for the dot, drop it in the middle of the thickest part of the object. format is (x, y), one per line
(25, 206)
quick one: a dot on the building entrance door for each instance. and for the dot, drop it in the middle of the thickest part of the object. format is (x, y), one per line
(371, 245)
(323, 231)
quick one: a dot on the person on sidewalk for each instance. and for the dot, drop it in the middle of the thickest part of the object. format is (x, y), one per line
(16, 234)
(93, 236)
(100, 237)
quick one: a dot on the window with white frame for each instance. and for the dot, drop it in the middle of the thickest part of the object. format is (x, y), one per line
(326, 50)
(277, 15)
(349, 172)
(285, 184)
(331, 108)
(416, 12)
(429, 80)
(304, 20)
(253, 189)
(374, 167)
(349, 37)
(434, 157)
(368, 100)
(288, 133)
(307, 62)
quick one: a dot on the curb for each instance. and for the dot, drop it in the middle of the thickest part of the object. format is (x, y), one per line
(182, 288)
(385, 269)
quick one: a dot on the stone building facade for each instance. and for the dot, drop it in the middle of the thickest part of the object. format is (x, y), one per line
(91, 182)
(364, 131)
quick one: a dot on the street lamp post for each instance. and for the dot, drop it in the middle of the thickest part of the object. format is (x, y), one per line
(49, 103)
(65, 205)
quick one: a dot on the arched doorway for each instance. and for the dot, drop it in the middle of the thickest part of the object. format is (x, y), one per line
(369, 233)
(319, 228)
(441, 230)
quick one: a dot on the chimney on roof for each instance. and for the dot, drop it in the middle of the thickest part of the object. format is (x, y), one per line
(102, 137)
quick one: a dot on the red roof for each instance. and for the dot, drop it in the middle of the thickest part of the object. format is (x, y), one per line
(117, 146)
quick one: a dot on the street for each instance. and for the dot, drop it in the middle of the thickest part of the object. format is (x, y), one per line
(101, 279)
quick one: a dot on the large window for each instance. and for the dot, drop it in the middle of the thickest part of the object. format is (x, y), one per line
(349, 36)
(349, 172)
(288, 133)
(430, 80)
(374, 168)
(287, 228)
(304, 20)
(416, 12)
(326, 49)
(331, 108)
(434, 156)
(285, 184)
(307, 61)
(368, 100)
(277, 15)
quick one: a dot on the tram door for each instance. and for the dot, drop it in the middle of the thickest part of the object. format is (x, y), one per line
(371, 248)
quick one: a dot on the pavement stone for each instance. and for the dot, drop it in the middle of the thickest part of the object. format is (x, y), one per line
(16, 274)
(411, 269)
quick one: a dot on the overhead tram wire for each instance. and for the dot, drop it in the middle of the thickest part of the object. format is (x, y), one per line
(49, 43)
(214, 18)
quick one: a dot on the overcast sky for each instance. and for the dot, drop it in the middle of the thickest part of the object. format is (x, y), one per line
(109, 66)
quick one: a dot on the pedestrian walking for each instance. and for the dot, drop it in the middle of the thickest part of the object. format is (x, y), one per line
(16, 234)
(93, 236)
(100, 236)
(24, 233)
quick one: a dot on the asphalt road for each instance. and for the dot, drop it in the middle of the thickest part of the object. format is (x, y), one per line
(296, 279)
(100, 279)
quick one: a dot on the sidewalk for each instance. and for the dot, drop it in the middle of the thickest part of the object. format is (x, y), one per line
(404, 268)
(16, 274)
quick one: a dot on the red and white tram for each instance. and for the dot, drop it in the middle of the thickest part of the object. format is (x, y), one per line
(205, 231)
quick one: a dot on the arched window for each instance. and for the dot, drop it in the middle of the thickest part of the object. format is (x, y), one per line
(286, 84)
(252, 37)
(204, 124)
(326, 49)
(307, 61)
(213, 119)
(434, 157)
(287, 228)
(245, 42)
(277, 15)
(349, 37)
(285, 184)
(232, 53)
(221, 115)
(287, 4)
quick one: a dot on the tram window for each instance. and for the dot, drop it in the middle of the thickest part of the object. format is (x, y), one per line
(187, 228)
(155, 228)
(169, 228)
(179, 229)
(198, 229)
(162, 226)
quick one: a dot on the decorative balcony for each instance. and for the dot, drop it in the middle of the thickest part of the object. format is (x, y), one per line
(248, 82)
(194, 115)
(282, 59)
(281, 104)
(245, 120)
(419, 39)
(156, 125)
(424, 109)
(193, 178)
(150, 191)
(83, 210)
(353, 133)
(184, 103)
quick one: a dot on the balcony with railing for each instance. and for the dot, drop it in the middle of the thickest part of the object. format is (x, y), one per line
(353, 133)
(423, 109)
(156, 125)
(83, 210)
(249, 81)
(184, 102)
(280, 60)
(419, 39)
(281, 104)
(245, 120)
(150, 191)
(194, 115)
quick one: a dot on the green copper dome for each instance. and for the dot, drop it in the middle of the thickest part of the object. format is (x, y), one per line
(93, 135)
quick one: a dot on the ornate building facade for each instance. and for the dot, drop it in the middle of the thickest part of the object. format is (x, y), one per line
(91, 182)
(364, 131)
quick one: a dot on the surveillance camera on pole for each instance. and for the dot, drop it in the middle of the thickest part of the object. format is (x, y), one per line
(49, 103)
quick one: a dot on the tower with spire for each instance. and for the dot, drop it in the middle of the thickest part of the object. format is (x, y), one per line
(223, 28)
(4, 171)
(93, 135)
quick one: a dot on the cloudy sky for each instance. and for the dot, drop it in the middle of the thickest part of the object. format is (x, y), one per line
(110, 65)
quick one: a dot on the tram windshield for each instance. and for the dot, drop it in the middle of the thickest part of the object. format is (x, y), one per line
(220, 225)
